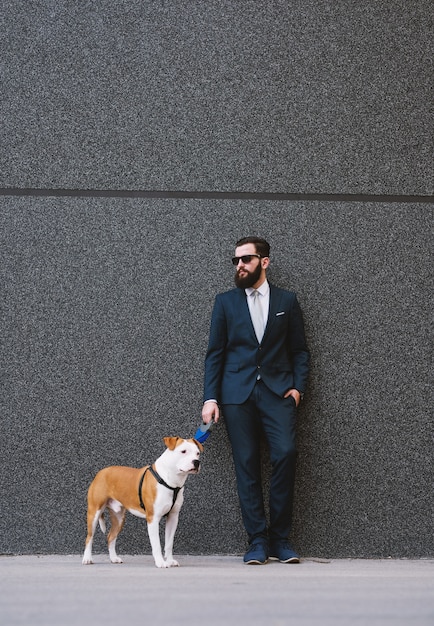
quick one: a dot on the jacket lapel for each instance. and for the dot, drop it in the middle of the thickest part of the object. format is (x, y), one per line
(242, 311)
(273, 309)
(245, 312)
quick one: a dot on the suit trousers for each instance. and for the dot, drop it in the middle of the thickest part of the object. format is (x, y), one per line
(264, 414)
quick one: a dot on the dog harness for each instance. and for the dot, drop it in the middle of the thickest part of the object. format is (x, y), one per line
(158, 478)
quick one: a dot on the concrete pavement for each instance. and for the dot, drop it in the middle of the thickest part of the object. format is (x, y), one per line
(58, 590)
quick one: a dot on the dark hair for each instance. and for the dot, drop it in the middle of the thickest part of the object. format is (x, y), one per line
(262, 246)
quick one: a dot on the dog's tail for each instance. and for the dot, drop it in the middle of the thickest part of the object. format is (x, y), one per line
(102, 523)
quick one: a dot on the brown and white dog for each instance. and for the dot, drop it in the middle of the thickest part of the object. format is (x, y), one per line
(150, 492)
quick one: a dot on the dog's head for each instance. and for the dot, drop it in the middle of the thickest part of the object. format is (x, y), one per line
(187, 453)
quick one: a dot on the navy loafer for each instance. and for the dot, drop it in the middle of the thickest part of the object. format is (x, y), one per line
(283, 552)
(257, 554)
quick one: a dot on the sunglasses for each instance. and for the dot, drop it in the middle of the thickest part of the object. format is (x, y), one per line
(246, 258)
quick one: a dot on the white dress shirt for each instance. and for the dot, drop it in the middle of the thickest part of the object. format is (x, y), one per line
(264, 299)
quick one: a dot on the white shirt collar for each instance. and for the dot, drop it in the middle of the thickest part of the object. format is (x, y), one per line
(263, 289)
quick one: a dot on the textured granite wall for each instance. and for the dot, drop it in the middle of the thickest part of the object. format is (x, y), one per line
(106, 301)
(300, 96)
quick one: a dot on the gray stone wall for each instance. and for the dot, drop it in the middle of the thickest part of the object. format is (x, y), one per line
(139, 141)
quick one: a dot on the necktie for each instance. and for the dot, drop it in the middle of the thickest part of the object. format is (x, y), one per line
(256, 314)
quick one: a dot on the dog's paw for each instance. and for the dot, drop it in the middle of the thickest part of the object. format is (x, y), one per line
(160, 563)
(86, 561)
(116, 559)
(172, 563)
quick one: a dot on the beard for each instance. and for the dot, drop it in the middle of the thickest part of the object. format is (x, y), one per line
(243, 282)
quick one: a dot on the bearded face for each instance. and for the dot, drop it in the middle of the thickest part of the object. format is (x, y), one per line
(245, 278)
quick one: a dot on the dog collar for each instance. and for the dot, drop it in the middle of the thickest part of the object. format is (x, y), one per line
(158, 478)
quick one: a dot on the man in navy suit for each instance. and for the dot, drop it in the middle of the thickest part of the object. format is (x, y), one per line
(256, 369)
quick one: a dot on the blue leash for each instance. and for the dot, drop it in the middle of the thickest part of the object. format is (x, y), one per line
(203, 432)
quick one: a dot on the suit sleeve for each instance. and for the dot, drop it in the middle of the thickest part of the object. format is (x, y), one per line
(215, 355)
(299, 352)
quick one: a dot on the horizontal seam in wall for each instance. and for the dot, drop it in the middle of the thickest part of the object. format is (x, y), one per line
(217, 195)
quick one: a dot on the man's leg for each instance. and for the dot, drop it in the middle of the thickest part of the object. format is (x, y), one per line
(278, 418)
(244, 431)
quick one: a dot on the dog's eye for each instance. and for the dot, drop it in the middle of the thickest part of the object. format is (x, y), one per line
(183, 451)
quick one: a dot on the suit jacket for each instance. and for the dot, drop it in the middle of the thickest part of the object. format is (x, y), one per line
(235, 358)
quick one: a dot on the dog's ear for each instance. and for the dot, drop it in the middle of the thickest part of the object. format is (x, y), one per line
(170, 442)
(199, 445)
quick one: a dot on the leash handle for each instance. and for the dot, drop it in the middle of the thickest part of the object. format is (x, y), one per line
(203, 432)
